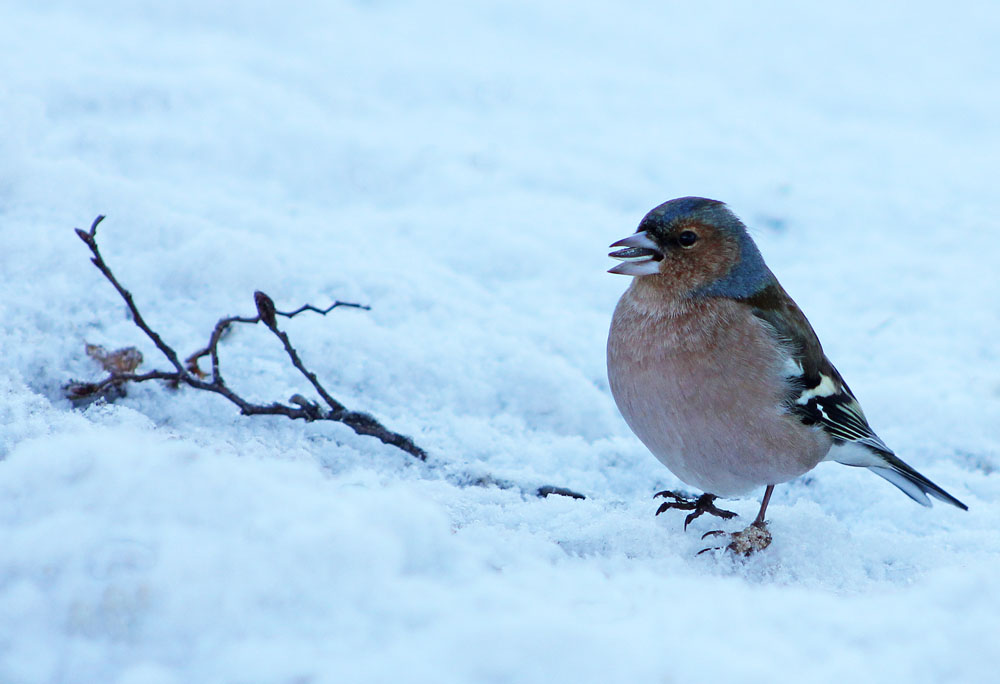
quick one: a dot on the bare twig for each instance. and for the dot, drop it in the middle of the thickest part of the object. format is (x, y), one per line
(90, 238)
(223, 326)
(122, 364)
(191, 375)
(549, 490)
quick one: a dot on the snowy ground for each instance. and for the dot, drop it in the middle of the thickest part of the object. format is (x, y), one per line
(461, 168)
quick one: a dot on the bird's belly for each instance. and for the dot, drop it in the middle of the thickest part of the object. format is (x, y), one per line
(713, 413)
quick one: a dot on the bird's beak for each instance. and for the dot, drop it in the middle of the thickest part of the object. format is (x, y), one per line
(640, 257)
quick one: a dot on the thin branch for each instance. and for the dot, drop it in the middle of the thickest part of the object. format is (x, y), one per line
(222, 327)
(265, 305)
(90, 239)
(322, 312)
(191, 375)
(121, 364)
(549, 490)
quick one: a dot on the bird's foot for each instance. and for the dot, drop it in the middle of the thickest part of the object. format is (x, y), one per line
(754, 538)
(700, 505)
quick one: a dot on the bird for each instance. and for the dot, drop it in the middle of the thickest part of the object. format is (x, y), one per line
(719, 374)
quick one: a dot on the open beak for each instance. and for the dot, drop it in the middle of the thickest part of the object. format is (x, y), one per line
(640, 257)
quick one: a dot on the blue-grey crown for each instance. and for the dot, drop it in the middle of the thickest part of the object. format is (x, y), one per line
(749, 275)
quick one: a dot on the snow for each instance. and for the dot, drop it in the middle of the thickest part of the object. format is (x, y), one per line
(462, 168)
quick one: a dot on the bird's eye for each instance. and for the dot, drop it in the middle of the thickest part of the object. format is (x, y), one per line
(687, 239)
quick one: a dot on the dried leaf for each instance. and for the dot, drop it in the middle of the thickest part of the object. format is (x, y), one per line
(193, 368)
(119, 362)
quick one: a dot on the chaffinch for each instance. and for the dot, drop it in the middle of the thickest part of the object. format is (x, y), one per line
(720, 375)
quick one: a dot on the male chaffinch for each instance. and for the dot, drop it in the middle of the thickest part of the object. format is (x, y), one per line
(720, 375)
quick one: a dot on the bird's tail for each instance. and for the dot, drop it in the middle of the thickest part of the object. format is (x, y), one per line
(912, 483)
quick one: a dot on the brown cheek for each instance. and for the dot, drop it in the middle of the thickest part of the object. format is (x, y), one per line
(693, 269)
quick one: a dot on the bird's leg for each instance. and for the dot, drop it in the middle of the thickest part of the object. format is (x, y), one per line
(756, 537)
(759, 520)
(701, 505)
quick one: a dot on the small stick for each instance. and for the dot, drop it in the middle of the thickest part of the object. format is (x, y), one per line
(189, 374)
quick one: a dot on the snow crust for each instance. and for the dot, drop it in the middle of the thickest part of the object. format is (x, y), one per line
(461, 167)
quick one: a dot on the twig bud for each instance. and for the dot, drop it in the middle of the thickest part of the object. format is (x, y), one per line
(265, 309)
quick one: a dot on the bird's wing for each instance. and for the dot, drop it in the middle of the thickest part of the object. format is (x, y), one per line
(818, 395)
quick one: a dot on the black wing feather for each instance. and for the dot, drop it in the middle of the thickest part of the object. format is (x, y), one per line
(818, 395)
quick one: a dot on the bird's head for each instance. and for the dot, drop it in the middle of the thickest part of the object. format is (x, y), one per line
(699, 246)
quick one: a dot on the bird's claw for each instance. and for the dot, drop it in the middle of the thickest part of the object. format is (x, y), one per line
(754, 538)
(700, 505)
